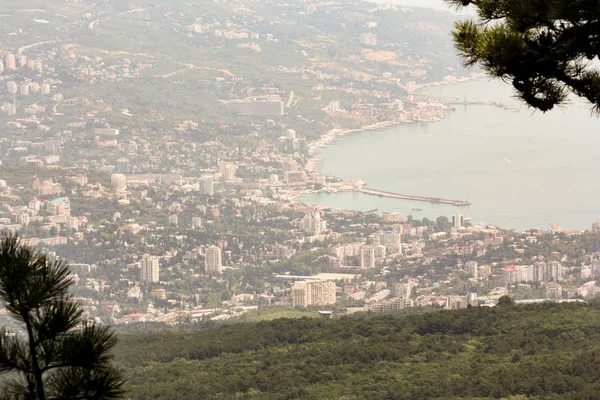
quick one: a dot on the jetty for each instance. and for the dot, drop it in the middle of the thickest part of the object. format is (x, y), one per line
(381, 193)
(452, 102)
(499, 104)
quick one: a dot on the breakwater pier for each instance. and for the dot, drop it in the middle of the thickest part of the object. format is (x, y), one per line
(381, 193)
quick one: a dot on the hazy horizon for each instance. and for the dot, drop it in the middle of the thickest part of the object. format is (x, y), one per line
(439, 5)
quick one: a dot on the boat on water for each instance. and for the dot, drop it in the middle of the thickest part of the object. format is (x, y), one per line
(416, 209)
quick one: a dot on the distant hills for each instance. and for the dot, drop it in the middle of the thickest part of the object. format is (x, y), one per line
(543, 351)
(154, 64)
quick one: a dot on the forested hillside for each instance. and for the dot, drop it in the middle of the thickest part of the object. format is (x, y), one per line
(549, 351)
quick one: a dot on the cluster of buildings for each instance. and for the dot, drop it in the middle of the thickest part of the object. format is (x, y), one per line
(173, 213)
(537, 272)
(379, 249)
(384, 244)
(27, 81)
(150, 265)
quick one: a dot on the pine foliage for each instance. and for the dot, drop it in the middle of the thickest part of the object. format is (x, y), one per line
(545, 48)
(57, 355)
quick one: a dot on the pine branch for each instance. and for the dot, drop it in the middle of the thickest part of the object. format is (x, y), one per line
(537, 45)
(17, 389)
(59, 360)
(87, 348)
(78, 383)
(28, 279)
(12, 353)
(56, 317)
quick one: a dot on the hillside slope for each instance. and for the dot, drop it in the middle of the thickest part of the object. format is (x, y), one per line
(536, 351)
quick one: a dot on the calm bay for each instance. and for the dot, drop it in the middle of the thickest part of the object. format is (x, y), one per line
(520, 170)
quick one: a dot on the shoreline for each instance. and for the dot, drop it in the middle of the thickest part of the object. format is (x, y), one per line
(529, 218)
(329, 137)
(314, 162)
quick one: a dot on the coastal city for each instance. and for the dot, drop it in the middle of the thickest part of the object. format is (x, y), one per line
(172, 184)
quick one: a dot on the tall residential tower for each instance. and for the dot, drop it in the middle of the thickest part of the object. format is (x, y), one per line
(214, 264)
(150, 269)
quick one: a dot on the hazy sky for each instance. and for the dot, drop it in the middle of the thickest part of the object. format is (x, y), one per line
(435, 4)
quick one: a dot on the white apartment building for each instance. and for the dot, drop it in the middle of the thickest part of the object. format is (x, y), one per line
(312, 224)
(538, 272)
(368, 257)
(11, 62)
(309, 293)
(207, 185)
(197, 222)
(118, 182)
(214, 263)
(472, 269)
(389, 216)
(391, 240)
(403, 290)
(60, 206)
(149, 271)
(393, 304)
(23, 219)
(227, 170)
(12, 87)
(457, 221)
(347, 250)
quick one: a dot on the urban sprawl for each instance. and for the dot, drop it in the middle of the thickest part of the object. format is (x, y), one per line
(173, 186)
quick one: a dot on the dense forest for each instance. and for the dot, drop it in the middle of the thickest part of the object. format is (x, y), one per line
(540, 351)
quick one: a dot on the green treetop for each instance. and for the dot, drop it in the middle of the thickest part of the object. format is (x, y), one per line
(57, 355)
(545, 48)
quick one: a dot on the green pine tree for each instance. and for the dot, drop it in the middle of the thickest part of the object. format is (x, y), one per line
(545, 48)
(57, 355)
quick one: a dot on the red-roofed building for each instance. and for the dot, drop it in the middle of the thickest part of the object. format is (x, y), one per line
(135, 317)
